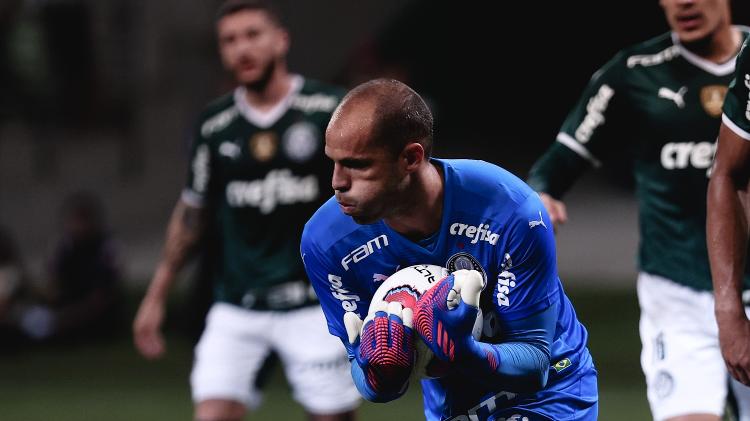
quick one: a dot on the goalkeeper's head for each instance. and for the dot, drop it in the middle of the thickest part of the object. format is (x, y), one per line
(380, 139)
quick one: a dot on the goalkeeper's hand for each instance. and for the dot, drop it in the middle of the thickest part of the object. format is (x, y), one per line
(383, 348)
(446, 313)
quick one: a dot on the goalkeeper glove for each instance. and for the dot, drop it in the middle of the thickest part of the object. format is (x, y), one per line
(383, 348)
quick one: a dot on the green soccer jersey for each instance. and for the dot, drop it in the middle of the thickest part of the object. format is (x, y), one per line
(737, 103)
(262, 174)
(656, 107)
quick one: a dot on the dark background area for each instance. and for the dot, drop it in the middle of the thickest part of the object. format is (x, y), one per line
(101, 96)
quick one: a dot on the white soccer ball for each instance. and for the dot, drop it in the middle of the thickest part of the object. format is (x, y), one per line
(406, 286)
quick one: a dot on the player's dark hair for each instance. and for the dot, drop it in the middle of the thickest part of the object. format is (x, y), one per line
(402, 115)
(230, 7)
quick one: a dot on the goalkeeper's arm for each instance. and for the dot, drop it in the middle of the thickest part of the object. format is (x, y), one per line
(521, 363)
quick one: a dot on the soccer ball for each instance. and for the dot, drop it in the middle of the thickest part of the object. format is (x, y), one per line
(406, 286)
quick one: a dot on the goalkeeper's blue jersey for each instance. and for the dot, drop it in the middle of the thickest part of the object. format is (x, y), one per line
(492, 222)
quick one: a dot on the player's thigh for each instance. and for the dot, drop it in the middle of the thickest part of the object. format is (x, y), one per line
(229, 354)
(681, 359)
(315, 362)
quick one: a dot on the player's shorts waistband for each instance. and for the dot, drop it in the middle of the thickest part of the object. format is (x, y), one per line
(282, 297)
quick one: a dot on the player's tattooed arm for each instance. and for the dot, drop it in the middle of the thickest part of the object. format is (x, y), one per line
(183, 233)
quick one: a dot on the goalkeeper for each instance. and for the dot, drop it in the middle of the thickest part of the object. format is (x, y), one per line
(394, 206)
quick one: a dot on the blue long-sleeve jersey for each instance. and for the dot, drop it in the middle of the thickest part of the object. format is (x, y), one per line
(492, 222)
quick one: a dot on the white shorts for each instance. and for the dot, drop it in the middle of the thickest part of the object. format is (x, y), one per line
(681, 358)
(236, 342)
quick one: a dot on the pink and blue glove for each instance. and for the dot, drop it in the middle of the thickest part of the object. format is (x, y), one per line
(383, 349)
(446, 315)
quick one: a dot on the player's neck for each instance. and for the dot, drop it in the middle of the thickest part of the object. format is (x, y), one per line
(422, 209)
(266, 95)
(718, 48)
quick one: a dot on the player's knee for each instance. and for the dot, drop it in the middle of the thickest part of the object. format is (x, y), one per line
(219, 410)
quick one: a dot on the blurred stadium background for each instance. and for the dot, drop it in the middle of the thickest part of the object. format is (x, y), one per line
(101, 95)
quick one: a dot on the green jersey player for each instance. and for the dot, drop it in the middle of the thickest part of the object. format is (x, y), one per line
(727, 222)
(656, 107)
(257, 173)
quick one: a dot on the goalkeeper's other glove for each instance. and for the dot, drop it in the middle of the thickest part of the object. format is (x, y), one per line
(446, 314)
(383, 349)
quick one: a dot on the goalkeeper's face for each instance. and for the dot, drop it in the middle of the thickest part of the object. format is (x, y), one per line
(369, 179)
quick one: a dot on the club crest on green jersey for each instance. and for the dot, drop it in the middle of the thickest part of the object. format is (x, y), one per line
(263, 146)
(712, 98)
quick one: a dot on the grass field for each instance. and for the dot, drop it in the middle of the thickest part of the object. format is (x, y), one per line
(109, 381)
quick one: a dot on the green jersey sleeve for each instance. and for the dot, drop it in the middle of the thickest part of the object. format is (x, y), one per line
(199, 172)
(736, 110)
(587, 135)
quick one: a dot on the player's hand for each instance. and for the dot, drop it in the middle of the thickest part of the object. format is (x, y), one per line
(446, 314)
(734, 339)
(147, 328)
(558, 214)
(383, 347)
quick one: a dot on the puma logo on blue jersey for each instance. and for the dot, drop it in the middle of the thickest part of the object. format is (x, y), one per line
(535, 223)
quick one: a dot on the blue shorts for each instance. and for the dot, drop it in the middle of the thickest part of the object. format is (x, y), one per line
(574, 397)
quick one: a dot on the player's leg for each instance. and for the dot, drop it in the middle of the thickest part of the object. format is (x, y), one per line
(315, 364)
(227, 359)
(681, 360)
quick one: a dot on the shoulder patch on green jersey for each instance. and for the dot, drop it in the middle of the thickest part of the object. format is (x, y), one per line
(219, 121)
(653, 52)
(317, 102)
(316, 96)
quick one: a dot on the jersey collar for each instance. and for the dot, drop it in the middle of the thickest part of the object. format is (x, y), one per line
(414, 249)
(266, 119)
(706, 65)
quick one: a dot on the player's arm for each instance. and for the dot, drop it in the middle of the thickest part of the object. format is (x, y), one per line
(727, 232)
(527, 308)
(184, 230)
(380, 349)
(183, 233)
(580, 143)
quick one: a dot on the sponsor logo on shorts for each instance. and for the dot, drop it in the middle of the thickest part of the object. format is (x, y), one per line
(487, 407)
(663, 384)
